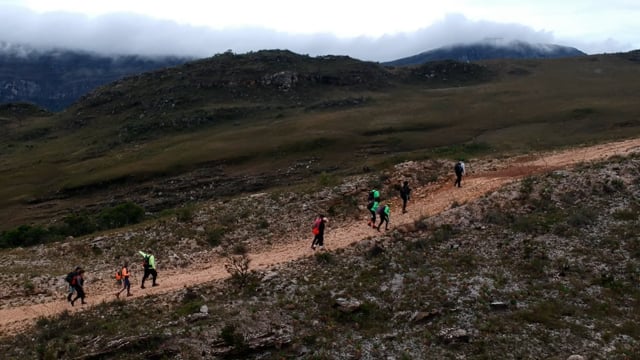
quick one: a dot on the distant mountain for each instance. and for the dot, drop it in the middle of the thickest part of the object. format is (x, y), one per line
(489, 50)
(54, 79)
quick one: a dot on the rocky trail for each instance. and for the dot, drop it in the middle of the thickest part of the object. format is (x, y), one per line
(425, 201)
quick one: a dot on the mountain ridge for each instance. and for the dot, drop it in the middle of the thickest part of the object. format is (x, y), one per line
(488, 50)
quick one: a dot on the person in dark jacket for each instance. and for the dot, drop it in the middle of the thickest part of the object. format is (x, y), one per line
(78, 286)
(459, 170)
(383, 212)
(405, 193)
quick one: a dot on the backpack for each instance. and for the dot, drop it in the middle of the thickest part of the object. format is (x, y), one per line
(119, 275)
(69, 277)
(316, 226)
(146, 261)
(458, 168)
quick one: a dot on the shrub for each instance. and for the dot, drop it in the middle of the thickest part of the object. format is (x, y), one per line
(184, 214)
(582, 217)
(77, 225)
(215, 235)
(232, 337)
(24, 235)
(120, 215)
(324, 257)
(238, 267)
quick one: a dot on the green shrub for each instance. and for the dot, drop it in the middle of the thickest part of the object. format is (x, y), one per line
(215, 235)
(24, 235)
(184, 214)
(77, 225)
(120, 215)
(582, 217)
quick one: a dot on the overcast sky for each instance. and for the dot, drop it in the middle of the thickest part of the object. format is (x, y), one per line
(364, 29)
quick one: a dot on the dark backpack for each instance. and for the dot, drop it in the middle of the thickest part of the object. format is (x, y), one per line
(458, 168)
(69, 277)
(146, 262)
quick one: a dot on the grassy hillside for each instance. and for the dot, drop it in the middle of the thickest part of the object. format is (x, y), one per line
(542, 269)
(256, 115)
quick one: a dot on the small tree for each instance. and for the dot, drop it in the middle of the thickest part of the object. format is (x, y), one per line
(238, 267)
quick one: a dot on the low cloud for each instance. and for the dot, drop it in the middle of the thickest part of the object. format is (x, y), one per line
(121, 34)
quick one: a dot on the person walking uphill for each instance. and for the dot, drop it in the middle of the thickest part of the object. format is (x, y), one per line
(459, 170)
(405, 192)
(149, 268)
(69, 279)
(372, 206)
(383, 212)
(78, 286)
(318, 231)
(126, 284)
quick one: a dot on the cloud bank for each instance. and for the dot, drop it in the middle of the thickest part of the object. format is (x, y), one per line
(125, 33)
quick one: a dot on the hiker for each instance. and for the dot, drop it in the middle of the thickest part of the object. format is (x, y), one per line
(149, 265)
(78, 286)
(318, 231)
(124, 275)
(372, 206)
(374, 195)
(69, 280)
(383, 212)
(405, 192)
(459, 170)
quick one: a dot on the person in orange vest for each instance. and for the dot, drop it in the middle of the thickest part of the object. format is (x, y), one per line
(124, 276)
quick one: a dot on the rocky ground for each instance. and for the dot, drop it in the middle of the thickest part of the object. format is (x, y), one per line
(546, 267)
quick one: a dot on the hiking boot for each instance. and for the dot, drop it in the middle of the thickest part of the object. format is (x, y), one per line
(72, 301)
(83, 302)
(129, 294)
(69, 297)
(142, 287)
(155, 285)
(118, 295)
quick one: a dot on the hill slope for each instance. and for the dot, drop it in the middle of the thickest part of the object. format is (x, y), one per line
(235, 123)
(518, 266)
(489, 50)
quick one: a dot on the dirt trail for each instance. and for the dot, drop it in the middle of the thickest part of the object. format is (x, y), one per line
(425, 201)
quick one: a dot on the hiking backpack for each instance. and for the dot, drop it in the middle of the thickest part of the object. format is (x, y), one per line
(458, 168)
(69, 277)
(316, 226)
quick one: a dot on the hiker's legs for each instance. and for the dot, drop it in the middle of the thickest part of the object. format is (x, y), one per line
(404, 205)
(145, 276)
(320, 241)
(154, 275)
(458, 180)
(71, 290)
(373, 218)
(79, 295)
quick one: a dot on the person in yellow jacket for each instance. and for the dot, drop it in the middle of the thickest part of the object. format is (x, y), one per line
(149, 265)
(126, 284)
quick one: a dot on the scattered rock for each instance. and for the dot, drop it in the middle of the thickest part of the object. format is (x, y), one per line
(347, 305)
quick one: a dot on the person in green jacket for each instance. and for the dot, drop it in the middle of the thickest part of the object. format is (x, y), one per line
(373, 207)
(383, 212)
(149, 268)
